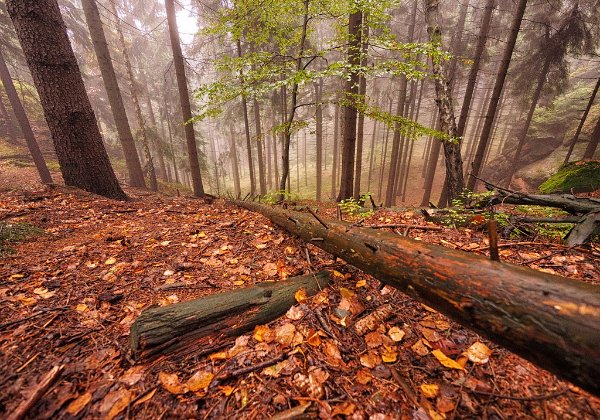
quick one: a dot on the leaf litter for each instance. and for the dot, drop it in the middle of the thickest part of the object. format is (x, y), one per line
(354, 350)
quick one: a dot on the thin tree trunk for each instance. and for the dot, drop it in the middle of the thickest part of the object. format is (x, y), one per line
(590, 150)
(498, 86)
(334, 164)
(362, 91)
(156, 140)
(319, 137)
(474, 72)
(523, 134)
(113, 92)
(17, 106)
(184, 99)
(83, 159)
(412, 143)
(384, 153)
(136, 103)
(234, 162)
(395, 153)
(406, 141)
(582, 121)
(11, 129)
(349, 111)
(285, 171)
(434, 156)
(372, 155)
(454, 169)
(269, 162)
(262, 182)
(275, 154)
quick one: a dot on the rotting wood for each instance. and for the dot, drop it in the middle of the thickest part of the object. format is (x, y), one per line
(37, 393)
(551, 321)
(162, 330)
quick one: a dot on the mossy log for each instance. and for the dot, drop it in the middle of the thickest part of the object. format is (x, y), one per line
(552, 321)
(567, 202)
(161, 330)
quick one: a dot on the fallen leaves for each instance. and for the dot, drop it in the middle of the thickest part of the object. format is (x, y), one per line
(171, 382)
(479, 353)
(445, 360)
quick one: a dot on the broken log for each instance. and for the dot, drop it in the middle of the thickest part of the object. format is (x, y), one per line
(585, 230)
(567, 202)
(552, 321)
(162, 330)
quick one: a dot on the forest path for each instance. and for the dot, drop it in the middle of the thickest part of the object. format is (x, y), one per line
(69, 295)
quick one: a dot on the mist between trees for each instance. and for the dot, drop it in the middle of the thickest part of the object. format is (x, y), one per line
(324, 100)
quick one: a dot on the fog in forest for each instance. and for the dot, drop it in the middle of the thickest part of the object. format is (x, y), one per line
(250, 65)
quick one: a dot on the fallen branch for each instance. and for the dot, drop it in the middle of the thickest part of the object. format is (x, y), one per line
(550, 320)
(162, 330)
(37, 393)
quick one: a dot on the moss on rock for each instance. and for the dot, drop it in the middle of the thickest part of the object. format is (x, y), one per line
(582, 176)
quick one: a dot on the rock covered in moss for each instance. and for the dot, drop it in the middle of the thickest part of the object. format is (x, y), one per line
(582, 176)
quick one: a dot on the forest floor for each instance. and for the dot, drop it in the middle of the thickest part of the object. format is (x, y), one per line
(70, 292)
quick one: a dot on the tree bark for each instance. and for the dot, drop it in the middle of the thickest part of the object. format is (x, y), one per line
(498, 86)
(362, 91)
(319, 137)
(83, 159)
(262, 181)
(132, 160)
(549, 320)
(590, 150)
(395, 152)
(454, 169)
(11, 129)
(234, 162)
(184, 99)
(349, 111)
(162, 330)
(335, 163)
(523, 134)
(17, 106)
(582, 121)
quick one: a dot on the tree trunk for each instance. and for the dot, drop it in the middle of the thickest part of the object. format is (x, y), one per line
(549, 320)
(590, 150)
(275, 154)
(582, 121)
(269, 162)
(371, 156)
(319, 137)
(162, 330)
(43, 36)
(384, 153)
(11, 129)
(334, 164)
(184, 99)
(395, 153)
(474, 72)
(132, 160)
(362, 91)
(498, 86)
(17, 106)
(523, 134)
(349, 111)
(434, 155)
(454, 169)
(141, 122)
(262, 181)
(234, 162)
(412, 143)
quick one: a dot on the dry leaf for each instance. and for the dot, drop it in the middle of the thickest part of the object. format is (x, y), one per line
(361, 283)
(420, 348)
(284, 334)
(294, 313)
(170, 382)
(82, 307)
(431, 335)
(344, 409)
(27, 301)
(445, 405)
(132, 375)
(396, 334)
(43, 292)
(430, 390)
(479, 353)
(346, 293)
(275, 370)
(263, 333)
(445, 360)
(314, 340)
(270, 269)
(370, 359)
(374, 339)
(227, 390)
(300, 295)
(363, 377)
(79, 403)
(146, 397)
(221, 355)
(120, 405)
(389, 356)
(110, 261)
(199, 381)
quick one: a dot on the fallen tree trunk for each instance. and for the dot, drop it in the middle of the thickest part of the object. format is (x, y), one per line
(567, 202)
(552, 321)
(165, 329)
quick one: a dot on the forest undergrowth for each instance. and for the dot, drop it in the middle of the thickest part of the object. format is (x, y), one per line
(69, 294)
